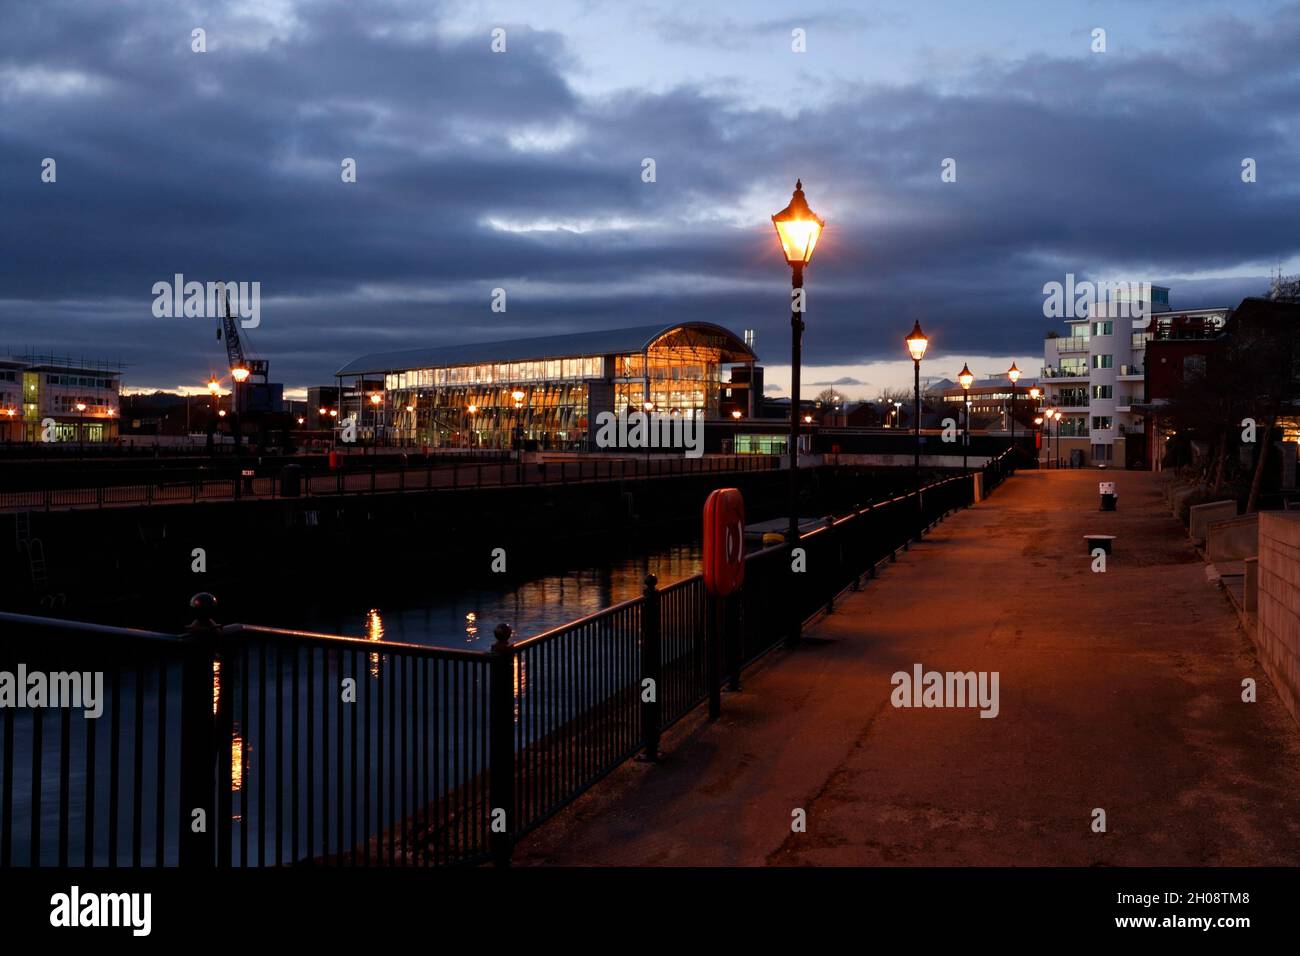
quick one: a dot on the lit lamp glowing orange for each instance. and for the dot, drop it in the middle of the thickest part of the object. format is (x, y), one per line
(807, 419)
(798, 228)
(214, 386)
(239, 373)
(736, 414)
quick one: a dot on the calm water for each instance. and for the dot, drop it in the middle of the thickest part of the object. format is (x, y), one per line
(468, 617)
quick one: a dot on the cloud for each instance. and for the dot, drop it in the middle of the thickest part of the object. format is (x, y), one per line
(478, 171)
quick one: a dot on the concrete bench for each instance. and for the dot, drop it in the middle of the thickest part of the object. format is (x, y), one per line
(1232, 539)
(1200, 516)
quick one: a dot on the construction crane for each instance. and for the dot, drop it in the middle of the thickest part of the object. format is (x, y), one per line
(235, 348)
(261, 405)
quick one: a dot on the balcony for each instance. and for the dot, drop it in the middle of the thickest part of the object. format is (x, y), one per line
(1075, 344)
(1054, 372)
(1131, 372)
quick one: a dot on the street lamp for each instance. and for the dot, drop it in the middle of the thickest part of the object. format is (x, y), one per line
(798, 228)
(1013, 373)
(916, 345)
(81, 424)
(1056, 416)
(473, 410)
(898, 410)
(966, 379)
(240, 374)
(376, 400)
(518, 396)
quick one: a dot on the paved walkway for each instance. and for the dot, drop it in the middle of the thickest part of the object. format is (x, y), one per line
(1118, 691)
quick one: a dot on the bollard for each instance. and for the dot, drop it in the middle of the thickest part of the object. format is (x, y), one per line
(1108, 496)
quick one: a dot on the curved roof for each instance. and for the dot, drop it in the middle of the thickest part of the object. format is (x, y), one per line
(573, 345)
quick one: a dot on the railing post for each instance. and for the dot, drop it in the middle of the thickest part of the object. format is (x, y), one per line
(198, 754)
(651, 670)
(501, 740)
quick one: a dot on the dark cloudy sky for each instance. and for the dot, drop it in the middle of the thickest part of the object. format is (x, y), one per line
(522, 170)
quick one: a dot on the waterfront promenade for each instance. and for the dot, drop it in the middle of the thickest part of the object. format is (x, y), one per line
(1118, 690)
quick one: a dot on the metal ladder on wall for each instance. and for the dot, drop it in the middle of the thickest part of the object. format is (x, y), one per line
(34, 549)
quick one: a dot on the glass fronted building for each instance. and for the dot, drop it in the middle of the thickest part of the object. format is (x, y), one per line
(546, 392)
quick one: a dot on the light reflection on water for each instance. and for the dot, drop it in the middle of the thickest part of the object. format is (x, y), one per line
(469, 617)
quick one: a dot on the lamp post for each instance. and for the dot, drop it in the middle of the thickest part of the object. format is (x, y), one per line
(898, 408)
(1013, 373)
(1047, 417)
(1056, 416)
(473, 410)
(518, 396)
(240, 374)
(81, 426)
(798, 228)
(1038, 423)
(966, 379)
(916, 345)
(375, 400)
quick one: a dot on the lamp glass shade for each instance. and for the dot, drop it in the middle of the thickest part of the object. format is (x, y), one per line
(239, 373)
(1013, 373)
(1034, 393)
(798, 228)
(965, 376)
(916, 342)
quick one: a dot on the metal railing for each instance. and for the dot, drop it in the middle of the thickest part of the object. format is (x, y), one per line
(380, 480)
(253, 746)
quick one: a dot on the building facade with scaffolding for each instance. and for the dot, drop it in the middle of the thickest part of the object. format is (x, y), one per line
(52, 398)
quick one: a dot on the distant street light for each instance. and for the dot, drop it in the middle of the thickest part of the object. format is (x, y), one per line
(798, 228)
(81, 424)
(966, 379)
(518, 396)
(376, 399)
(1013, 373)
(1056, 416)
(916, 346)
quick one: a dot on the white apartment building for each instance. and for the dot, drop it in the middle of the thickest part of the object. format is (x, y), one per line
(1095, 375)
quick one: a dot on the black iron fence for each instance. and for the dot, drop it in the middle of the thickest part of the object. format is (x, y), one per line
(352, 479)
(252, 746)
